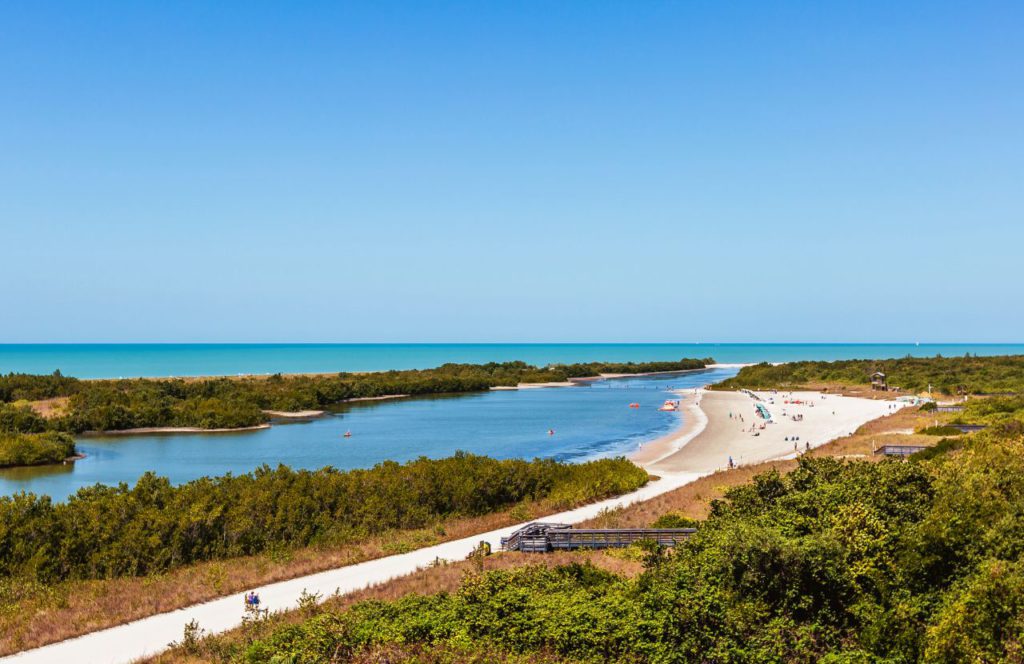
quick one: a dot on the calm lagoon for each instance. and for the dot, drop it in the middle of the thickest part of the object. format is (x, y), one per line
(588, 421)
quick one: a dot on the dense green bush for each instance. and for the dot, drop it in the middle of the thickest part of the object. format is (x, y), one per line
(20, 419)
(835, 562)
(32, 449)
(107, 405)
(107, 531)
(940, 430)
(993, 410)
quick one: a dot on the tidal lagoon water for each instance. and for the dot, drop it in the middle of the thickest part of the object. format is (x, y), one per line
(588, 421)
(133, 360)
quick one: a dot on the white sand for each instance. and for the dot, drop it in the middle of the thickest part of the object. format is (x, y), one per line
(294, 414)
(702, 446)
(825, 418)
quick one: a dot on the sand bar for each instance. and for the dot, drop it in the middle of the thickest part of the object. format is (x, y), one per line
(294, 414)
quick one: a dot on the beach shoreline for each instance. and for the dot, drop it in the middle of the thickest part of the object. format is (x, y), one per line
(725, 426)
(691, 424)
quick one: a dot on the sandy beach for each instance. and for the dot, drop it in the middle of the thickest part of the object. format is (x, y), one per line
(720, 427)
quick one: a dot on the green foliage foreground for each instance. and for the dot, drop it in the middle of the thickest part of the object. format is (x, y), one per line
(104, 532)
(835, 562)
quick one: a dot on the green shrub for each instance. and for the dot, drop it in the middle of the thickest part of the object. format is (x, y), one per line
(104, 531)
(675, 520)
(940, 430)
(32, 449)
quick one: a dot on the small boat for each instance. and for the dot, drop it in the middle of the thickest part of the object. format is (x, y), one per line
(670, 406)
(348, 434)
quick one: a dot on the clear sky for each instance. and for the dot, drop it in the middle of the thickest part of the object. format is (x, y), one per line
(511, 171)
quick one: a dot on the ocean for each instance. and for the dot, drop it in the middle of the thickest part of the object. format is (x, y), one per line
(152, 360)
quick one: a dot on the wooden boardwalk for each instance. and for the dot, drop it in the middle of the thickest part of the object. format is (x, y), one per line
(547, 537)
(901, 450)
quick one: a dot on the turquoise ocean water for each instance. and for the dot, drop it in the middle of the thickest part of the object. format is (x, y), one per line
(128, 360)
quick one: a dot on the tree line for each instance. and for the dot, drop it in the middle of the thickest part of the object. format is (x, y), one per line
(841, 562)
(151, 527)
(107, 405)
(971, 374)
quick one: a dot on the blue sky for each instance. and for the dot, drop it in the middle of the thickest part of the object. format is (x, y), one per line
(539, 171)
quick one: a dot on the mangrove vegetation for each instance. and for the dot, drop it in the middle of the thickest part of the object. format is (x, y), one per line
(969, 374)
(104, 531)
(215, 403)
(33, 449)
